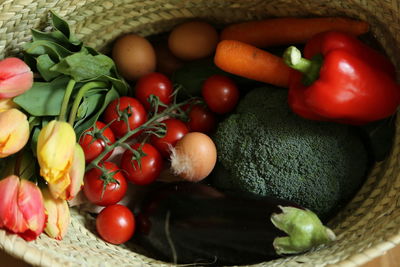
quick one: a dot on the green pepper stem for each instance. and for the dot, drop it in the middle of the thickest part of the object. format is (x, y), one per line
(79, 96)
(67, 96)
(303, 228)
(310, 68)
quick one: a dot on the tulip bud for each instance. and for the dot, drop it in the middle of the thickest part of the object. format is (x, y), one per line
(15, 77)
(74, 178)
(21, 208)
(58, 216)
(14, 132)
(6, 104)
(55, 151)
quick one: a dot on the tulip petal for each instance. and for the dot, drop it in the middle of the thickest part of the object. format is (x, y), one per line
(59, 188)
(55, 150)
(14, 132)
(6, 104)
(77, 172)
(10, 217)
(30, 203)
(22, 208)
(58, 216)
(15, 77)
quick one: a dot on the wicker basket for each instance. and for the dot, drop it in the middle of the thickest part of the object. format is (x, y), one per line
(366, 228)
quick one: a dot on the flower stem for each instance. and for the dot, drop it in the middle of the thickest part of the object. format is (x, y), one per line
(79, 96)
(67, 96)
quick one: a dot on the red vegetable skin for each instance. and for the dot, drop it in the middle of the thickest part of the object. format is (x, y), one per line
(154, 84)
(115, 224)
(176, 129)
(94, 186)
(93, 148)
(355, 83)
(201, 119)
(150, 165)
(137, 115)
(220, 93)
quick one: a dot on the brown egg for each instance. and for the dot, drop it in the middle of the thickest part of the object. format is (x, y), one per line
(193, 40)
(134, 56)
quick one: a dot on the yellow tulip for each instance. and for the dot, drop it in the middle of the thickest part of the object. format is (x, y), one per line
(14, 132)
(70, 185)
(55, 151)
(58, 216)
(6, 104)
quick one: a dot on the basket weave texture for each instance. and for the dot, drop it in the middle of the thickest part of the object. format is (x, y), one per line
(366, 228)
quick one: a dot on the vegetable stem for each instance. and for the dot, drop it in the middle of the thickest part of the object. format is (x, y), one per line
(169, 111)
(310, 68)
(79, 97)
(67, 96)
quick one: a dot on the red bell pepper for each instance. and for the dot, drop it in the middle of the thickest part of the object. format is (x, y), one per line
(341, 79)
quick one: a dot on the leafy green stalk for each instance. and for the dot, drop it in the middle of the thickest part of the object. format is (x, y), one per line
(79, 97)
(67, 96)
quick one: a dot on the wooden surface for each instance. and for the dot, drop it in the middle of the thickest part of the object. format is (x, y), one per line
(390, 259)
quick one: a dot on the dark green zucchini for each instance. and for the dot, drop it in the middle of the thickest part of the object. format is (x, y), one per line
(195, 223)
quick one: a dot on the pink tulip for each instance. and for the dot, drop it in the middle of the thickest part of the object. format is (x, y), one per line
(21, 208)
(15, 77)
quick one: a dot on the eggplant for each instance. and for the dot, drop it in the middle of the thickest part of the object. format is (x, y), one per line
(193, 223)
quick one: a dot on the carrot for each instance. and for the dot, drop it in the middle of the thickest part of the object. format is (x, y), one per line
(251, 62)
(287, 31)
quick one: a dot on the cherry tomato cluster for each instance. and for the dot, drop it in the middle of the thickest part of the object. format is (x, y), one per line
(143, 160)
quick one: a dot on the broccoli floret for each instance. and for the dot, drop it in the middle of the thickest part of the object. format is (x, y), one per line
(269, 150)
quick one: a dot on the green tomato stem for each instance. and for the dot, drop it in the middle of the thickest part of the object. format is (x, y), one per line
(67, 96)
(167, 112)
(79, 96)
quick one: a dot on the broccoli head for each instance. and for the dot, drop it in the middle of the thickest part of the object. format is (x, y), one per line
(270, 151)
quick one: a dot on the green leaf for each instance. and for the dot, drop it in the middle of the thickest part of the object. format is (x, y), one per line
(43, 65)
(110, 96)
(119, 84)
(84, 67)
(44, 98)
(56, 37)
(34, 139)
(90, 103)
(55, 51)
(60, 24)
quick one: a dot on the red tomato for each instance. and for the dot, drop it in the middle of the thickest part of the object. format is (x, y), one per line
(154, 83)
(136, 112)
(150, 165)
(201, 119)
(176, 129)
(220, 93)
(115, 224)
(93, 148)
(94, 186)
